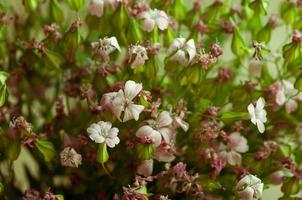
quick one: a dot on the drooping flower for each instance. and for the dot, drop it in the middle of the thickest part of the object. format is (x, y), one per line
(152, 18)
(157, 129)
(258, 114)
(104, 132)
(182, 51)
(145, 168)
(70, 158)
(249, 187)
(231, 152)
(122, 101)
(137, 56)
(287, 95)
(96, 7)
(104, 47)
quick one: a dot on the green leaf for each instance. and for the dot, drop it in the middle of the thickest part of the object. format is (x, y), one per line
(238, 43)
(56, 11)
(76, 4)
(259, 7)
(46, 148)
(13, 150)
(228, 117)
(59, 196)
(3, 77)
(102, 154)
(3, 94)
(54, 58)
(298, 83)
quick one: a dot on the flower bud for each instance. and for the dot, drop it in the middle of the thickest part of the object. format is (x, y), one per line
(56, 11)
(145, 151)
(31, 5)
(259, 7)
(179, 10)
(134, 32)
(76, 4)
(237, 43)
(290, 186)
(102, 154)
(120, 18)
(288, 12)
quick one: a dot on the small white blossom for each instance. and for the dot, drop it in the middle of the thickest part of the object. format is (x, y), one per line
(137, 56)
(104, 132)
(182, 51)
(249, 188)
(287, 95)
(152, 18)
(96, 7)
(104, 47)
(258, 114)
(122, 101)
(231, 152)
(157, 129)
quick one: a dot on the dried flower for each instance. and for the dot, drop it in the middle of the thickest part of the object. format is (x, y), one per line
(70, 158)
(96, 7)
(104, 47)
(137, 56)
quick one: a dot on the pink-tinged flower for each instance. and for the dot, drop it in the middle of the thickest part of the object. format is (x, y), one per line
(137, 56)
(231, 152)
(145, 168)
(103, 132)
(96, 7)
(287, 95)
(157, 129)
(70, 158)
(165, 153)
(122, 101)
(249, 188)
(104, 47)
(152, 18)
(276, 177)
(182, 51)
(258, 114)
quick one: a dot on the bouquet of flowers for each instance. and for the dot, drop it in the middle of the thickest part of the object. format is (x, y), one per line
(154, 99)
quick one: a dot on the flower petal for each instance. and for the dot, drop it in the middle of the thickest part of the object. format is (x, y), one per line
(164, 119)
(132, 111)
(132, 89)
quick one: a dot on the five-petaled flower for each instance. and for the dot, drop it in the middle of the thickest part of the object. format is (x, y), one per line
(236, 144)
(258, 114)
(122, 101)
(249, 187)
(104, 132)
(152, 18)
(182, 51)
(287, 95)
(70, 158)
(157, 129)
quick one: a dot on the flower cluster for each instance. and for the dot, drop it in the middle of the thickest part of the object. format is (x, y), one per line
(172, 99)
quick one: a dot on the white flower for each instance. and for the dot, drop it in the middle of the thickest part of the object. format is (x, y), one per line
(137, 56)
(231, 152)
(103, 132)
(104, 47)
(287, 95)
(96, 7)
(122, 101)
(157, 129)
(70, 158)
(145, 168)
(182, 51)
(152, 18)
(249, 187)
(258, 114)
